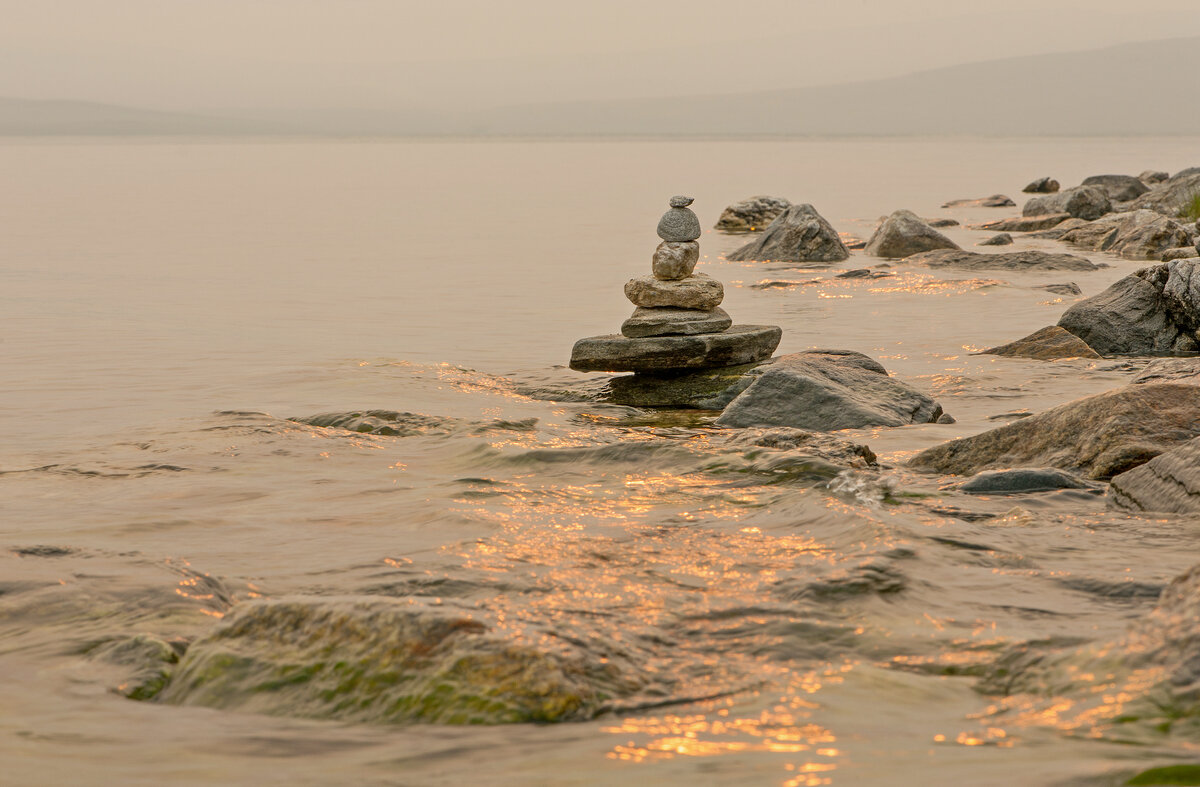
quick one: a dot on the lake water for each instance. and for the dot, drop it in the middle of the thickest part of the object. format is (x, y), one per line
(167, 305)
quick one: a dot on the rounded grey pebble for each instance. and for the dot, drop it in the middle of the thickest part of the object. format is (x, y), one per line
(679, 225)
(681, 201)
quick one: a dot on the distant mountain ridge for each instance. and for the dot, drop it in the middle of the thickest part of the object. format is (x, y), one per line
(1145, 88)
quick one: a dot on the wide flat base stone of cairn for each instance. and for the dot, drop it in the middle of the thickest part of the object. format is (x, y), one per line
(710, 389)
(665, 321)
(740, 344)
(825, 390)
(694, 292)
(1048, 344)
(673, 261)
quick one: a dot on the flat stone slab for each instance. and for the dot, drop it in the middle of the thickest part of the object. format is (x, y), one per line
(674, 322)
(694, 292)
(615, 353)
(1024, 223)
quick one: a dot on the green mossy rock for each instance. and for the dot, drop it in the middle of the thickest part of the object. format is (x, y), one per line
(389, 660)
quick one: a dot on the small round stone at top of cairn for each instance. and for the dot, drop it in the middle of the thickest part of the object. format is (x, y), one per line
(679, 224)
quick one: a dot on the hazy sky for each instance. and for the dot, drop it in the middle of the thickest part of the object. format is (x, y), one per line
(296, 54)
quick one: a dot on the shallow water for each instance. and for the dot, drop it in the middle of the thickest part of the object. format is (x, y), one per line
(166, 307)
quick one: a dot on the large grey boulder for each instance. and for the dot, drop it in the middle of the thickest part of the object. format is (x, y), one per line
(904, 233)
(739, 344)
(1097, 437)
(697, 291)
(1171, 197)
(1119, 188)
(1136, 235)
(1082, 202)
(1153, 311)
(825, 390)
(1045, 185)
(751, 214)
(1051, 343)
(1168, 483)
(672, 322)
(1008, 261)
(798, 234)
(1024, 223)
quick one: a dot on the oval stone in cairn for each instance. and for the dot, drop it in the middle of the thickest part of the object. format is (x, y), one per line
(679, 224)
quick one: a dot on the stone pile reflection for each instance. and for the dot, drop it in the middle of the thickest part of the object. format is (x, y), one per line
(677, 325)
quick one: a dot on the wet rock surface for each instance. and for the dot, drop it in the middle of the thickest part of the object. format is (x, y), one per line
(1023, 481)
(708, 389)
(388, 661)
(826, 390)
(1081, 202)
(1011, 261)
(1155, 311)
(750, 215)
(1049, 343)
(1096, 437)
(1168, 483)
(798, 234)
(904, 233)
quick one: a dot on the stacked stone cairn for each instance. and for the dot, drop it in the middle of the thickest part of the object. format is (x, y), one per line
(677, 326)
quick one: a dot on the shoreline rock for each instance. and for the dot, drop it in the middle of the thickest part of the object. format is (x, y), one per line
(798, 234)
(1010, 261)
(1046, 185)
(903, 234)
(1081, 202)
(1049, 343)
(751, 215)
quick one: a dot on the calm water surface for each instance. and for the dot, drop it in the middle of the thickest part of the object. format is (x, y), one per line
(166, 306)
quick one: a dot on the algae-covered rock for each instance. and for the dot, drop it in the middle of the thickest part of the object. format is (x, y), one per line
(706, 389)
(1140, 688)
(390, 660)
(150, 661)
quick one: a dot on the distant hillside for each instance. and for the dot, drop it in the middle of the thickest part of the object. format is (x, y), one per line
(1134, 89)
(37, 118)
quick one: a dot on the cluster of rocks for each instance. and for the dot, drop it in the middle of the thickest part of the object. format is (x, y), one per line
(751, 215)
(677, 324)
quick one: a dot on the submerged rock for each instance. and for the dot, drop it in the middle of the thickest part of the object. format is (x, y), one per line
(1168, 483)
(1003, 239)
(1082, 202)
(825, 390)
(1066, 288)
(798, 234)
(383, 660)
(751, 214)
(708, 389)
(739, 344)
(1137, 235)
(1154, 311)
(903, 234)
(994, 201)
(697, 291)
(1049, 343)
(1045, 185)
(1170, 370)
(1098, 436)
(1139, 688)
(942, 222)
(1119, 188)
(1023, 481)
(668, 322)
(381, 422)
(1008, 261)
(1025, 223)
